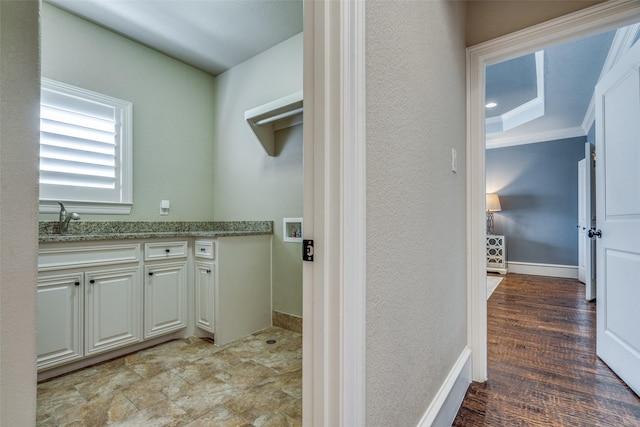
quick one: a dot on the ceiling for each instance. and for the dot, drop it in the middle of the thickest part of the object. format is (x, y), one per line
(540, 97)
(212, 35)
(548, 95)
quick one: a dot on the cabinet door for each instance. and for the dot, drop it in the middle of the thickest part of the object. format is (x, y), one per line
(165, 298)
(205, 294)
(113, 317)
(59, 318)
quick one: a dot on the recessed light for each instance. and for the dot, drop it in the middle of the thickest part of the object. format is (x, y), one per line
(491, 105)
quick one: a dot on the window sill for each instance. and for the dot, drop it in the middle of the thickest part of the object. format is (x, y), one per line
(49, 206)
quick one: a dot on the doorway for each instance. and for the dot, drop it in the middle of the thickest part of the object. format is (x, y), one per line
(597, 19)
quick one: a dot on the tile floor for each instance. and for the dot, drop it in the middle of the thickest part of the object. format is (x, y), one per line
(186, 382)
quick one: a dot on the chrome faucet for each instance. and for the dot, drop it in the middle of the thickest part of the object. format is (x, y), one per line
(65, 217)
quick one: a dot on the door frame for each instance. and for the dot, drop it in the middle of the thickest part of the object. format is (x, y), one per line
(334, 284)
(601, 17)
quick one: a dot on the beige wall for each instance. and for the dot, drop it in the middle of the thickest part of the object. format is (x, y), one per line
(249, 184)
(173, 105)
(416, 217)
(19, 111)
(487, 20)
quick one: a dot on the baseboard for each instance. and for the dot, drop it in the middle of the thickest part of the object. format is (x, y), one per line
(444, 407)
(552, 270)
(287, 321)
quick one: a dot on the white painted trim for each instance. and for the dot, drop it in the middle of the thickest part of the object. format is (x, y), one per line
(444, 407)
(334, 184)
(522, 114)
(536, 269)
(589, 115)
(312, 336)
(354, 230)
(476, 200)
(622, 41)
(532, 138)
(601, 17)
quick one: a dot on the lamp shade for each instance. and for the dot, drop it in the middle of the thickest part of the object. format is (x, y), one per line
(493, 203)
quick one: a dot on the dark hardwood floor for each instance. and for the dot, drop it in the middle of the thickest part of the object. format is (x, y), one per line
(542, 363)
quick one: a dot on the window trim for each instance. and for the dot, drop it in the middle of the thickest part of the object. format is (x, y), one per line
(125, 155)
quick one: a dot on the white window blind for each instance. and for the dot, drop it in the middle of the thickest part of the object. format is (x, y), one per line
(85, 149)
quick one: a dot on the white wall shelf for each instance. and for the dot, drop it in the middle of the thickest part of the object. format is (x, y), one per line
(272, 116)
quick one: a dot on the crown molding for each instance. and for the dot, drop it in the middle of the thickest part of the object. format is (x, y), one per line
(534, 138)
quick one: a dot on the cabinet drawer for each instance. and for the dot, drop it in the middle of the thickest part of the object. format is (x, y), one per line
(81, 256)
(165, 250)
(205, 249)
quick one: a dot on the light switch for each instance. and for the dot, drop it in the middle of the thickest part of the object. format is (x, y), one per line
(454, 160)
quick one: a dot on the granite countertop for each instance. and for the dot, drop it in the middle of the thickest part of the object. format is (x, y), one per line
(119, 230)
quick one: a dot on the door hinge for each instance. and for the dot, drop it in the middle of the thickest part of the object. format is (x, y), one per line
(307, 250)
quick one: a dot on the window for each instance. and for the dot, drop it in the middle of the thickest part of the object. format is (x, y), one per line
(85, 150)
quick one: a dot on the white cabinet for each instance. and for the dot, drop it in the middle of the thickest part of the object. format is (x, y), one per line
(89, 301)
(165, 290)
(205, 281)
(233, 286)
(205, 284)
(95, 299)
(112, 309)
(243, 287)
(165, 298)
(59, 319)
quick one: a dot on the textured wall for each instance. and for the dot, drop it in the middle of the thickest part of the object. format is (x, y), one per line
(487, 20)
(249, 184)
(172, 113)
(538, 189)
(19, 108)
(416, 217)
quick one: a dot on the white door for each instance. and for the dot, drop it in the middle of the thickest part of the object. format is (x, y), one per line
(586, 246)
(618, 217)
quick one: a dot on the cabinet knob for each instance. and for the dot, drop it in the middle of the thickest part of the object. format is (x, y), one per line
(203, 249)
(92, 281)
(208, 271)
(77, 283)
(151, 273)
(167, 250)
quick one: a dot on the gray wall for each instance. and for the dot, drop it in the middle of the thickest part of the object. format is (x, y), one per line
(173, 109)
(494, 18)
(538, 189)
(248, 183)
(19, 126)
(416, 217)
